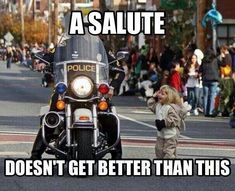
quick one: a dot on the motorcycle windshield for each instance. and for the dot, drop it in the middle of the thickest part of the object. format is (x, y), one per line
(81, 49)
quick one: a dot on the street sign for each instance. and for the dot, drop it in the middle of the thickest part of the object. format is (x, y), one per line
(8, 37)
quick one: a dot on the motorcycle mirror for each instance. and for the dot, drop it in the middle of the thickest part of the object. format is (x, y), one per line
(123, 53)
(118, 58)
(117, 69)
(121, 57)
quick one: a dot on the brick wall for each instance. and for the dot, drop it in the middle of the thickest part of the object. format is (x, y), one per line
(226, 8)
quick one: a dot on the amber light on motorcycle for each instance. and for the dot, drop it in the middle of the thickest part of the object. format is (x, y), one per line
(60, 104)
(103, 105)
(103, 88)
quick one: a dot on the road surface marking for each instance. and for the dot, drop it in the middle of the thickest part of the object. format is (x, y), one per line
(19, 132)
(145, 124)
(7, 153)
(207, 120)
(15, 142)
(142, 138)
(142, 112)
(197, 118)
(191, 139)
(182, 147)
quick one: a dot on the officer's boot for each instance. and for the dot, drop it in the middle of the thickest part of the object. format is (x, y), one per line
(109, 125)
(38, 147)
(117, 153)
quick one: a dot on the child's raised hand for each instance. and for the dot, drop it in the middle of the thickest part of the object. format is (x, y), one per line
(155, 94)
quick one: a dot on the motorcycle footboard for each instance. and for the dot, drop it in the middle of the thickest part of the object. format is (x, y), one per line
(105, 151)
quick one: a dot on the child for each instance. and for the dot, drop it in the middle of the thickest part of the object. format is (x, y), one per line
(170, 113)
(175, 78)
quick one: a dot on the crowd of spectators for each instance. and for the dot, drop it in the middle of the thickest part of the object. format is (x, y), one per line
(206, 80)
(23, 55)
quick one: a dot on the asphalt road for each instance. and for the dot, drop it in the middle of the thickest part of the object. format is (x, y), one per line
(21, 98)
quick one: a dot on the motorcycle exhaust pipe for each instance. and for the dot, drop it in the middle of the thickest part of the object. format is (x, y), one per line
(52, 120)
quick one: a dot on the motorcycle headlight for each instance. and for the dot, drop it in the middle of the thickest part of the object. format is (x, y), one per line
(82, 86)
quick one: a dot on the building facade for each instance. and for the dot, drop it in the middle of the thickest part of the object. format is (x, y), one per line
(226, 30)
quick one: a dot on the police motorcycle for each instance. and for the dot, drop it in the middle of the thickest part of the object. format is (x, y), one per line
(81, 78)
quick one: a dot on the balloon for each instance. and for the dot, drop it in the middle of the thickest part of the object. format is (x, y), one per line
(212, 15)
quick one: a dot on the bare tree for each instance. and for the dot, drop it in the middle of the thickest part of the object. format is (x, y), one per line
(55, 20)
(201, 33)
(22, 23)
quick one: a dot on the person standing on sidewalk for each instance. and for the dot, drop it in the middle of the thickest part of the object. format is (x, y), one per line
(175, 80)
(9, 55)
(209, 71)
(192, 83)
(232, 52)
(226, 83)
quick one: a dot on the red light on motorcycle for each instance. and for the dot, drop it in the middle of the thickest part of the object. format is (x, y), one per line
(84, 118)
(103, 105)
(60, 104)
(103, 88)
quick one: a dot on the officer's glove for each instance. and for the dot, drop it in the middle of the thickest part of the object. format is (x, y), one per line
(160, 124)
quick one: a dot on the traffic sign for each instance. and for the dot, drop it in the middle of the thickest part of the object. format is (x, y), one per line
(8, 37)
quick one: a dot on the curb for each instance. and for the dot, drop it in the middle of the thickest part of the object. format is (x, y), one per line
(16, 137)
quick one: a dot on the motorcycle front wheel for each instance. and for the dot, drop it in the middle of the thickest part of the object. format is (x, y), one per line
(84, 149)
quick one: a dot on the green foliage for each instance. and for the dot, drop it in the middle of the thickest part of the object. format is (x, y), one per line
(180, 29)
(177, 4)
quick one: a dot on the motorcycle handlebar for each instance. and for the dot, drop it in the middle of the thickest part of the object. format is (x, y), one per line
(116, 69)
(41, 59)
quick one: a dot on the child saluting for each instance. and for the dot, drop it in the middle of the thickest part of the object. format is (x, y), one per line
(170, 114)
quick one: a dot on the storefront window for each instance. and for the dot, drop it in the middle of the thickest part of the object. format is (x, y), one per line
(226, 34)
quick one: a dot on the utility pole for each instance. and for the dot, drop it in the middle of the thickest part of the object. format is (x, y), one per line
(72, 5)
(157, 41)
(22, 23)
(49, 22)
(214, 34)
(55, 21)
(102, 5)
(201, 33)
(33, 10)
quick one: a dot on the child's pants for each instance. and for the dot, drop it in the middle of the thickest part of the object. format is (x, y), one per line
(166, 148)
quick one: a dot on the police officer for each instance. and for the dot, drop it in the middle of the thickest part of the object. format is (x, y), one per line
(47, 61)
(117, 77)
